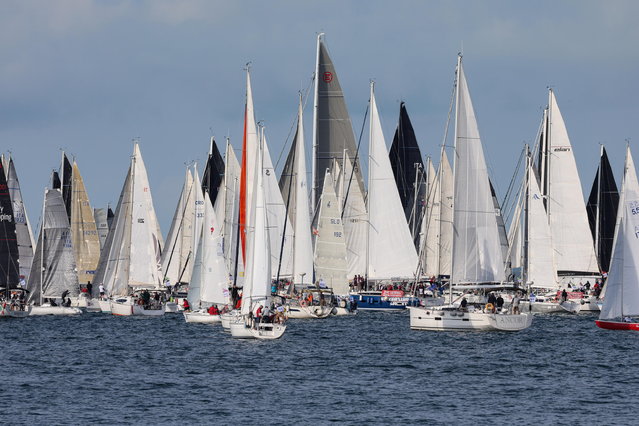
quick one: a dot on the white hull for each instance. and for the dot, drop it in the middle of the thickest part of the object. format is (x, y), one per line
(343, 312)
(453, 320)
(571, 306)
(239, 330)
(590, 304)
(227, 318)
(54, 310)
(7, 312)
(306, 312)
(263, 331)
(201, 317)
(105, 305)
(127, 308)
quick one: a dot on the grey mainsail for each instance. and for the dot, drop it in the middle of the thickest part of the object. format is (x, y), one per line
(53, 271)
(24, 235)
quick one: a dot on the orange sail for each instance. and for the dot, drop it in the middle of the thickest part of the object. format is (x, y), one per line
(243, 187)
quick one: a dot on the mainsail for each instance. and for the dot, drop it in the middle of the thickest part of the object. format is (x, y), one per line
(84, 233)
(293, 184)
(602, 210)
(391, 250)
(209, 282)
(53, 270)
(622, 286)
(101, 217)
(561, 187)
(213, 176)
(332, 128)
(131, 254)
(9, 252)
(477, 254)
(24, 235)
(408, 169)
(66, 177)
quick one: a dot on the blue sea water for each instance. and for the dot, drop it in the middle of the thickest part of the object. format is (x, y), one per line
(369, 368)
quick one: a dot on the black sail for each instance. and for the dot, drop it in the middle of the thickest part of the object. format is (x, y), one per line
(55, 181)
(334, 127)
(66, 171)
(602, 211)
(9, 255)
(213, 173)
(408, 168)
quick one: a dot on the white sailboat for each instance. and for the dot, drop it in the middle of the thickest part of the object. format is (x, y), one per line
(477, 254)
(560, 184)
(209, 283)
(53, 272)
(621, 304)
(129, 265)
(257, 286)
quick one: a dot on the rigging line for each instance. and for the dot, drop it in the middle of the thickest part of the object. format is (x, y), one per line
(509, 191)
(354, 165)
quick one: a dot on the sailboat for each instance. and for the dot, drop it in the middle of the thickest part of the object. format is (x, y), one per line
(294, 187)
(563, 198)
(209, 283)
(24, 236)
(257, 286)
(53, 271)
(539, 271)
(621, 303)
(12, 292)
(129, 266)
(390, 250)
(84, 239)
(477, 260)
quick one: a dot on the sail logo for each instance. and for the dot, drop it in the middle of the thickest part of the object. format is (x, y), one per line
(328, 77)
(536, 197)
(561, 149)
(4, 217)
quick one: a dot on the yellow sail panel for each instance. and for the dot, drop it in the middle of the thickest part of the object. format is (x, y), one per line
(84, 234)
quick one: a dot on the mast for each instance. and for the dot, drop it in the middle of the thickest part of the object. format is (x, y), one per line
(524, 264)
(452, 248)
(598, 211)
(370, 191)
(44, 203)
(315, 118)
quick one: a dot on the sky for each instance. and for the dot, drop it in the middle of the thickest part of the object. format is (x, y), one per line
(89, 76)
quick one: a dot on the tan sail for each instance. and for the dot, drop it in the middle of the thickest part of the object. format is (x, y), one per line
(84, 234)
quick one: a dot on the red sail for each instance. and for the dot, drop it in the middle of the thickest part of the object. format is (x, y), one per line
(243, 188)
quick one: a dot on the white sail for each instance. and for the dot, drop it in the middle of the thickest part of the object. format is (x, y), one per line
(515, 240)
(477, 253)
(622, 285)
(146, 242)
(391, 251)
(24, 236)
(302, 245)
(330, 241)
(53, 270)
(198, 216)
(252, 142)
(84, 233)
(177, 252)
(431, 223)
(446, 216)
(572, 239)
(279, 226)
(541, 268)
(258, 259)
(209, 282)
(101, 224)
(355, 221)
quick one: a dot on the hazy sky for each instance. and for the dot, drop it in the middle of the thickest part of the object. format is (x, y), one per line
(89, 76)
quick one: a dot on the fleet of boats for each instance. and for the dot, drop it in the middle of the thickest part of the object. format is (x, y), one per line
(249, 252)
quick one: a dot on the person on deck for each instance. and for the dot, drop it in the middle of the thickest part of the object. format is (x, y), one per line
(515, 304)
(464, 304)
(500, 303)
(564, 295)
(213, 310)
(186, 305)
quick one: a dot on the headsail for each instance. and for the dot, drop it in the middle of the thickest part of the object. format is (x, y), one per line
(9, 253)
(26, 243)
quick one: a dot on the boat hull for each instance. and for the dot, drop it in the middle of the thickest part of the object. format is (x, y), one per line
(105, 305)
(239, 330)
(201, 317)
(307, 312)
(617, 325)
(7, 312)
(339, 311)
(54, 310)
(171, 308)
(453, 320)
(376, 301)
